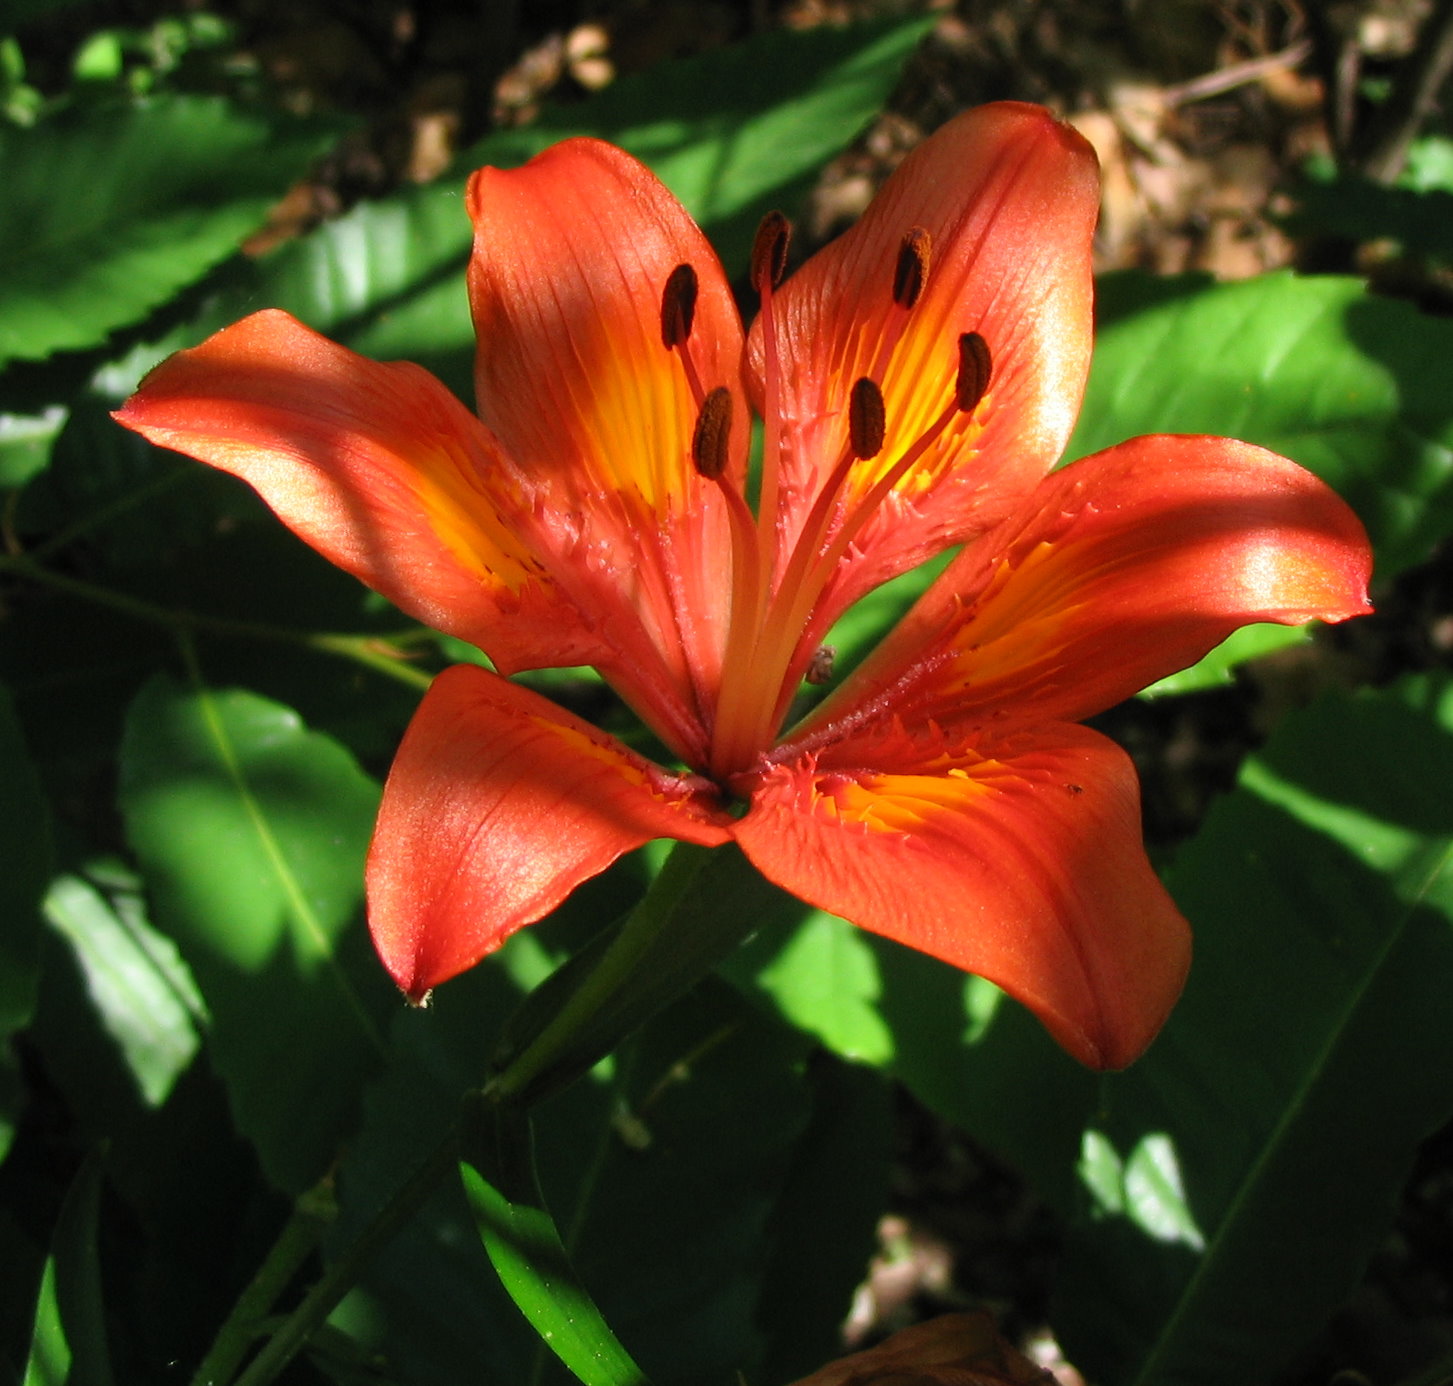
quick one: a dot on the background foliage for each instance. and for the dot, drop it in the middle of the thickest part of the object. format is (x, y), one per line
(204, 1072)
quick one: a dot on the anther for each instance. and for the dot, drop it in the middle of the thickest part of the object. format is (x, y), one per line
(975, 368)
(709, 440)
(769, 251)
(867, 419)
(911, 271)
(678, 306)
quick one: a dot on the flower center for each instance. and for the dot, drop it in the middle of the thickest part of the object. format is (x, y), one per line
(772, 637)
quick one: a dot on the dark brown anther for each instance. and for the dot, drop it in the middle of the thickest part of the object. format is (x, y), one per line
(975, 368)
(709, 450)
(769, 251)
(867, 419)
(678, 306)
(911, 271)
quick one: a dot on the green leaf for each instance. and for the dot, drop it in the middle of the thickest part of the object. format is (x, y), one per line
(825, 1220)
(69, 1340)
(825, 979)
(24, 868)
(50, 1355)
(429, 1302)
(1418, 220)
(525, 1246)
(1240, 1174)
(703, 902)
(109, 214)
(965, 1050)
(1317, 369)
(1217, 668)
(138, 985)
(251, 833)
(670, 1180)
(25, 443)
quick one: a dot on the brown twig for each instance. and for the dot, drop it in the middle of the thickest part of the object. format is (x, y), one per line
(1237, 74)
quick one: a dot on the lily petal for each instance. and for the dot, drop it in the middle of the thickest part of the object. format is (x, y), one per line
(498, 805)
(378, 467)
(1008, 196)
(572, 254)
(1020, 860)
(1128, 566)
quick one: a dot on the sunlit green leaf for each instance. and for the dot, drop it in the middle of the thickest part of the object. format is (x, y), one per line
(25, 442)
(109, 213)
(1315, 368)
(1277, 1116)
(50, 1354)
(138, 985)
(69, 1340)
(826, 981)
(525, 1246)
(251, 832)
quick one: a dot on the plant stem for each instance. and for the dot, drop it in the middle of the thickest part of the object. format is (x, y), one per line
(594, 996)
(368, 650)
(341, 1276)
(300, 1236)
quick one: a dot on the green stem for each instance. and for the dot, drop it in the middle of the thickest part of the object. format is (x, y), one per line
(368, 650)
(343, 1274)
(659, 951)
(302, 1232)
(591, 1001)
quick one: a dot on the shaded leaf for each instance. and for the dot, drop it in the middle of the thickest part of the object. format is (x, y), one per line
(1418, 220)
(251, 833)
(24, 869)
(668, 1183)
(958, 1043)
(1267, 1133)
(824, 1224)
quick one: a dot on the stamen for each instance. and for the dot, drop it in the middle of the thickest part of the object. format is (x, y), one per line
(709, 440)
(867, 419)
(814, 561)
(769, 251)
(911, 271)
(975, 369)
(678, 306)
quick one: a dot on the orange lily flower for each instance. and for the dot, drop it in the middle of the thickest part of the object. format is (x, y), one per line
(917, 381)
